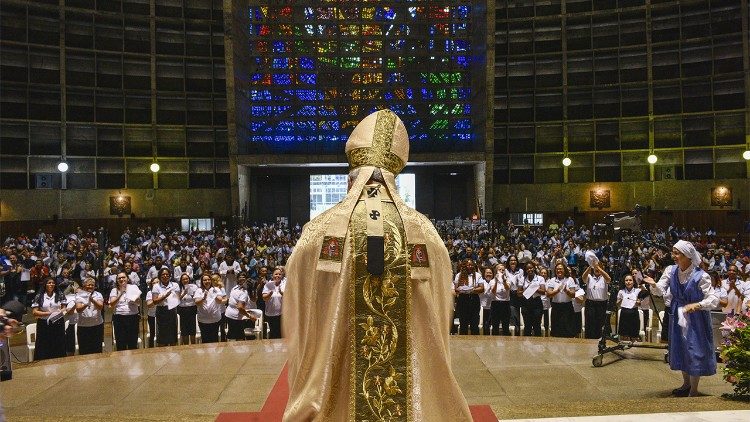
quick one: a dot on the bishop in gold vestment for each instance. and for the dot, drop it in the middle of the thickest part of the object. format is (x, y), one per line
(368, 301)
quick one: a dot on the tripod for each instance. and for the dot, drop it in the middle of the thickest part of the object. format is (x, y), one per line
(602, 347)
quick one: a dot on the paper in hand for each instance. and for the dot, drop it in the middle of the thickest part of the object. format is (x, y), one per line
(533, 287)
(132, 292)
(591, 258)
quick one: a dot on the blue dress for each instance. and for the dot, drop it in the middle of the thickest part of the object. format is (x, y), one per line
(694, 353)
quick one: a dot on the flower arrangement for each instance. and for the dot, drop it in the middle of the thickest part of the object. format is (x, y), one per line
(735, 353)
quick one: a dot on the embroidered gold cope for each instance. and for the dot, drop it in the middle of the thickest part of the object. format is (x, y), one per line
(370, 348)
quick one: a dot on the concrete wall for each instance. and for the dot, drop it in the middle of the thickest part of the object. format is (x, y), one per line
(40, 204)
(661, 195)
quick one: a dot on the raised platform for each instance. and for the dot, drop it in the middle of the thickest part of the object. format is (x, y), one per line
(517, 377)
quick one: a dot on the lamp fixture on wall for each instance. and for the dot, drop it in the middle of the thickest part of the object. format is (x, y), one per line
(154, 167)
(566, 161)
(651, 158)
(62, 166)
(746, 154)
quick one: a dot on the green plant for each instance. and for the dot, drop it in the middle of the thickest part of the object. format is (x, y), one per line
(735, 353)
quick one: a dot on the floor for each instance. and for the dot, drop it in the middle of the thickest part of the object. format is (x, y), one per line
(519, 377)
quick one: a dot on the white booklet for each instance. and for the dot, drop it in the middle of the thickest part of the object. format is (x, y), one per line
(533, 287)
(173, 300)
(133, 293)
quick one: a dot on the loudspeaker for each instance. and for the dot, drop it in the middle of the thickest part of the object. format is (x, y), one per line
(44, 181)
(667, 173)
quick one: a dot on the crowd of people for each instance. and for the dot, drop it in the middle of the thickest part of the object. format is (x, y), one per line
(224, 280)
(219, 281)
(517, 276)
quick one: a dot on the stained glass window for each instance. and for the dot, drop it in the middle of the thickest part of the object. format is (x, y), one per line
(317, 68)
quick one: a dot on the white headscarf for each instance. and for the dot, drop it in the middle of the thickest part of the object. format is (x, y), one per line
(689, 251)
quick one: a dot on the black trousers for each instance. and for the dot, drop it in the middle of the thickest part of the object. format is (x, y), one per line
(187, 320)
(515, 313)
(500, 310)
(468, 314)
(274, 326)
(562, 319)
(486, 321)
(126, 331)
(532, 315)
(166, 326)
(90, 339)
(70, 339)
(50, 339)
(596, 313)
(151, 330)
(209, 332)
(236, 329)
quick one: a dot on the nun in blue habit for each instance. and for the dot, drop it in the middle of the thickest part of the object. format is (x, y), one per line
(691, 345)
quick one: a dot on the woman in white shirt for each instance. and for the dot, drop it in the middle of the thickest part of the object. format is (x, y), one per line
(273, 295)
(485, 299)
(166, 318)
(514, 274)
(209, 301)
(125, 315)
(216, 282)
(48, 307)
(89, 304)
(468, 285)
(628, 326)
(500, 305)
(561, 290)
(597, 292)
(151, 312)
(238, 299)
(187, 309)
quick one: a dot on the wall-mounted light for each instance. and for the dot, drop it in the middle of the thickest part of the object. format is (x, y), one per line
(746, 155)
(62, 166)
(154, 167)
(566, 161)
(651, 159)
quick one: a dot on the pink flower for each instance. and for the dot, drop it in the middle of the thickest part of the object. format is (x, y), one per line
(730, 324)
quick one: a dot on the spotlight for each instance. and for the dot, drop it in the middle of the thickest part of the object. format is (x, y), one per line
(651, 159)
(155, 167)
(566, 161)
(62, 166)
(746, 155)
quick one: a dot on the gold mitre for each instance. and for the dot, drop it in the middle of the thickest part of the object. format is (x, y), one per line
(379, 140)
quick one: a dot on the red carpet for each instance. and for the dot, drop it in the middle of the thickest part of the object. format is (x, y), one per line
(273, 409)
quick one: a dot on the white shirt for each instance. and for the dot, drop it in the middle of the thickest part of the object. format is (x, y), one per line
(525, 283)
(124, 306)
(178, 272)
(721, 294)
(485, 298)
(49, 304)
(734, 301)
(630, 294)
(596, 288)
(134, 279)
(236, 296)
(709, 297)
(513, 277)
(160, 289)
(502, 294)
(229, 279)
(209, 310)
(189, 290)
(89, 316)
(273, 303)
(561, 296)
